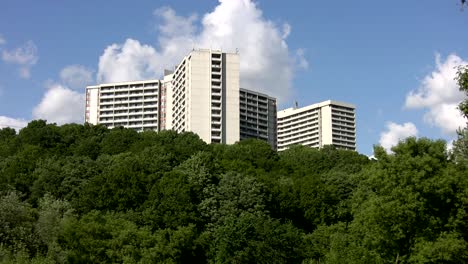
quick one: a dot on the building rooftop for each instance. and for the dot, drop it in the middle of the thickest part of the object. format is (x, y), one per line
(291, 110)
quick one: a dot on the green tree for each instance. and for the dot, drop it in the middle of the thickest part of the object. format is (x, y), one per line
(65, 177)
(8, 142)
(118, 140)
(16, 225)
(462, 80)
(16, 171)
(103, 238)
(7, 133)
(234, 194)
(171, 203)
(248, 156)
(123, 184)
(52, 213)
(413, 195)
(180, 245)
(39, 133)
(252, 238)
(460, 148)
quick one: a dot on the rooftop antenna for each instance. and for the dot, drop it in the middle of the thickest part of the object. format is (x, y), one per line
(296, 105)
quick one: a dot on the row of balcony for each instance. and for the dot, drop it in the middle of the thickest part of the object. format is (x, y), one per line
(306, 139)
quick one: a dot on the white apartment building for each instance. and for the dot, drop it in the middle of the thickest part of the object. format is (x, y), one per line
(317, 125)
(129, 104)
(258, 116)
(201, 95)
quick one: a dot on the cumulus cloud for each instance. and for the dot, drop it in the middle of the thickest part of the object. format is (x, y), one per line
(439, 94)
(395, 133)
(76, 76)
(16, 123)
(267, 64)
(127, 62)
(60, 105)
(25, 56)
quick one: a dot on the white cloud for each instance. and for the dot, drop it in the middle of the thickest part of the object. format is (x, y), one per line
(440, 95)
(301, 62)
(266, 65)
(130, 61)
(25, 56)
(16, 123)
(178, 25)
(61, 105)
(395, 133)
(76, 77)
(2, 40)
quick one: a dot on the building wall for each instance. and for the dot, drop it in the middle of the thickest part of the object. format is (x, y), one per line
(317, 125)
(180, 97)
(206, 96)
(272, 123)
(231, 104)
(166, 101)
(344, 126)
(199, 103)
(326, 126)
(258, 116)
(128, 104)
(92, 104)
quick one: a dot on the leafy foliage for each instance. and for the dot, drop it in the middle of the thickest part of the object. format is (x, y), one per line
(86, 194)
(462, 79)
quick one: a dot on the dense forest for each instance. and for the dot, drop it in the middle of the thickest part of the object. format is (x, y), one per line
(87, 194)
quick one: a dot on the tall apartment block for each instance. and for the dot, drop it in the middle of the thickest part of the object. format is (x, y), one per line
(317, 125)
(201, 95)
(258, 116)
(205, 96)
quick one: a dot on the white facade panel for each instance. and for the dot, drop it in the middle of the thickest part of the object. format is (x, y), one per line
(199, 86)
(326, 125)
(231, 69)
(92, 104)
(166, 102)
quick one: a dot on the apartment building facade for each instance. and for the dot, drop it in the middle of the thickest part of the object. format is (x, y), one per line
(205, 96)
(133, 105)
(258, 116)
(201, 95)
(317, 125)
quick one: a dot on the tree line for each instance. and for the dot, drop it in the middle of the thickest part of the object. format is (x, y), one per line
(87, 194)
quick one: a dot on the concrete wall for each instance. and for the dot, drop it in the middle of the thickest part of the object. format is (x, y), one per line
(231, 90)
(92, 105)
(168, 101)
(199, 94)
(326, 126)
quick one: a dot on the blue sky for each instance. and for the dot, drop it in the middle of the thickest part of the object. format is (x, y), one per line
(393, 60)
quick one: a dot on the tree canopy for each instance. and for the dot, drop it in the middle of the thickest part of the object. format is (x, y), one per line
(87, 194)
